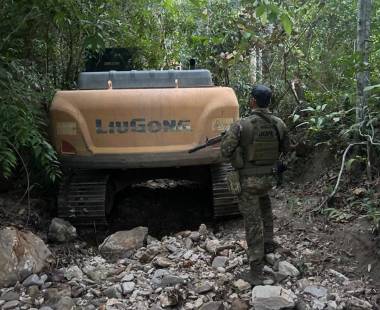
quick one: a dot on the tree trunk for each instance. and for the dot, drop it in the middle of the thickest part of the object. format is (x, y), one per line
(362, 75)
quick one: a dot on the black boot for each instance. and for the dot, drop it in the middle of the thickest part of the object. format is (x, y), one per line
(254, 276)
(270, 247)
(257, 275)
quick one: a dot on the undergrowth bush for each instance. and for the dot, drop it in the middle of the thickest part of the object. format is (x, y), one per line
(24, 98)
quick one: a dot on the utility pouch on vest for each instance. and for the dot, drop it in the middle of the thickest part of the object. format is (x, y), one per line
(263, 151)
(237, 160)
(233, 182)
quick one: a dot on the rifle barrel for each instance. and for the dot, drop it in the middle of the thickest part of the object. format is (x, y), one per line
(211, 141)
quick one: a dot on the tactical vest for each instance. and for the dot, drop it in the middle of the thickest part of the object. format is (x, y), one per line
(259, 145)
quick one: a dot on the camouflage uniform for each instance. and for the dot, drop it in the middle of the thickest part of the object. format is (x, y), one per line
(258, 139)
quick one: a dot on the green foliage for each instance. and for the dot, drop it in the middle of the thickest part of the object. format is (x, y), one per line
(303, 49)
(22, 123)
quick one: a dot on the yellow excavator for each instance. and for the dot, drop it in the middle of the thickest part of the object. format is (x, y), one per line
(125, 127)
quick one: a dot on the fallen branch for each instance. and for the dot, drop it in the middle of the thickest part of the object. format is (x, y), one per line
(339, 176)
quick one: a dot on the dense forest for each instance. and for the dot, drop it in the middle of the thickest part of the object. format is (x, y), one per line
(321, 60)
(307, 51)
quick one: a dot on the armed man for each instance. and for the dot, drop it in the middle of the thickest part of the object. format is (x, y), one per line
(253, 146)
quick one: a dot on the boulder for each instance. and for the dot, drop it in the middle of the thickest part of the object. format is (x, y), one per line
(61, 231)
(10, 305)
(288, 269)
(21, 254)
(122, 244)
(272, 298)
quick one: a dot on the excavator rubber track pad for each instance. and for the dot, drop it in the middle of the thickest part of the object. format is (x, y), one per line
(82, 199)
(225, 203)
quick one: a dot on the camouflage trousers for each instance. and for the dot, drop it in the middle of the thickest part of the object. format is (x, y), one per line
(255, 206)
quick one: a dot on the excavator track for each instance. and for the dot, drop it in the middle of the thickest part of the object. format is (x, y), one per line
(225, 203)
(84, 199)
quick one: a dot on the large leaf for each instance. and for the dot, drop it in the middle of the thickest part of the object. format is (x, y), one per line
(286, 23)
(368, 88)
(260, 10)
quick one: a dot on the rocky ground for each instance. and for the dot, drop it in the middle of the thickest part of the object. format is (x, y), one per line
(320, 264)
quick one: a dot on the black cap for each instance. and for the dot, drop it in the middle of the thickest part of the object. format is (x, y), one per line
(262, 94)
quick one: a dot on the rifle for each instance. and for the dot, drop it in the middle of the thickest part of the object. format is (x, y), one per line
(208, 142)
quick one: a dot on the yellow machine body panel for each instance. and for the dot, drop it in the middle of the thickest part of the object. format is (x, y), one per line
(131, 128)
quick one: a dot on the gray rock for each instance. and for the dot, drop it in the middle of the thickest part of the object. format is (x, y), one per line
(65, 303)
(53, 295)
(303, 283)
(219, 261)
(318, 305)
(316, 291)
(242, 285)
(331, 305)
(10, 305)
(355, 303)
(61, 231)
(187, 254)
(340, 277)
(21, 253)
(158, 276)
(188, 243)
(280, 276)
(73, 272)
(212, 245)
(202, 230)
(287, 268)
(272, 298)
(33, 280)
(95, 273)
(128, 277)
(127, 287)
(203, 288)
(171, 248)
(162, 262)
(238, 304)
(268, 282)
(169, 298)
(150, 240)
(163, 278)
(46, 308)
(33, 291)
(113, 291)
(10, 295)
(213, 305)
(77, 291)
(123, 243)
(194, 236)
